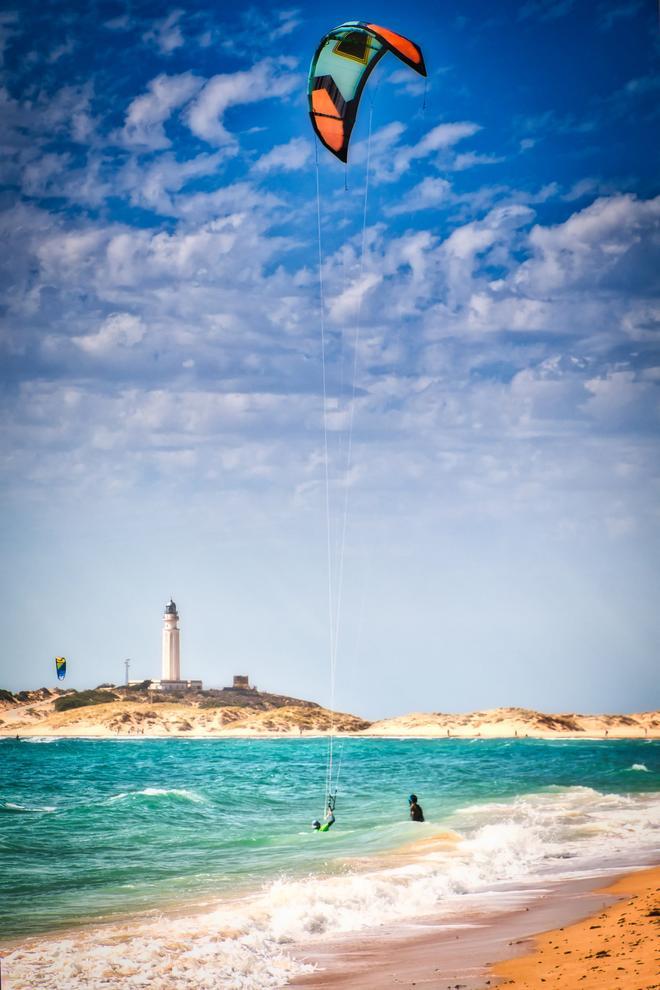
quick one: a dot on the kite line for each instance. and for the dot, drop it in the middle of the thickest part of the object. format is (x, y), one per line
(341, 66)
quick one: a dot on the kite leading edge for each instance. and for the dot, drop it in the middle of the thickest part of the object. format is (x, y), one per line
(343, 62)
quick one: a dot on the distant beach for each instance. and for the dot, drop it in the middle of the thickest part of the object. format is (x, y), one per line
(152, 714)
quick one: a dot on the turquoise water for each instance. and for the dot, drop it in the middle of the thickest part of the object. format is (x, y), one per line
(94, 830)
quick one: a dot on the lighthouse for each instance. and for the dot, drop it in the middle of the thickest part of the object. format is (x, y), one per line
(171, 655)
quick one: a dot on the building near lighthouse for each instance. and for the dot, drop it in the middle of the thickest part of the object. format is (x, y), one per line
(171, 655)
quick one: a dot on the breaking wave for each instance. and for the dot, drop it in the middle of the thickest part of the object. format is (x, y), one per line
(177, 793)
(8, 807)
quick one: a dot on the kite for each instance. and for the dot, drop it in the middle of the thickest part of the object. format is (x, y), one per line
(60, 667)
(343, 62)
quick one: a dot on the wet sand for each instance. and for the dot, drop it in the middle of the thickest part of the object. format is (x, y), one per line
(437, 957)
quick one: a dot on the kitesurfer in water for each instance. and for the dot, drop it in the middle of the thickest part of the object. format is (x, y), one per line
(328, 822)
(416, 813)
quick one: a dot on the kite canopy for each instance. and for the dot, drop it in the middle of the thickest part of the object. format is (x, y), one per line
(60, 667)
(339, 71)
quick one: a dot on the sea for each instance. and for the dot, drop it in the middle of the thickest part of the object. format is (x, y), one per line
(178, 863)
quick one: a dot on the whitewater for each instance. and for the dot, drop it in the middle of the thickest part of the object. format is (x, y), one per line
(191, 863)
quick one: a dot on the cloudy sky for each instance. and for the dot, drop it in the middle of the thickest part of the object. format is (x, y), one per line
(491, 343)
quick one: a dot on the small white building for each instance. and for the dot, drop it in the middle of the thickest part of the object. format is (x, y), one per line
(171, 655)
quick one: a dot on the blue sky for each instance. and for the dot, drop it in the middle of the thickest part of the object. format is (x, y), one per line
(495, 347)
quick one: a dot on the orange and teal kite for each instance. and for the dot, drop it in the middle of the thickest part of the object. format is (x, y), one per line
(339, 71)
(60, 667)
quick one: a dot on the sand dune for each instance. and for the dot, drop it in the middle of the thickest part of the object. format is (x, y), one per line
(260, 714)
(38, 717)
(521, 723)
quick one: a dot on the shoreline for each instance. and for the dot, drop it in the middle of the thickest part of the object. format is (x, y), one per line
(484, 951)
(312, 734)
(476, 950)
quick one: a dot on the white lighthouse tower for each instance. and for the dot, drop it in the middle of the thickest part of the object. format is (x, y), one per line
(171, 679)
(171, 654)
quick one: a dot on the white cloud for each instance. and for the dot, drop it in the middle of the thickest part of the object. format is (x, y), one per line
(349, 302)
(121, 23)
(287, 22)
(60, 51)
(289, 157)
(39, 175)
(383, 141)
(592, 244)
(642, 321)
(120, 330)
(31, 123)
(166, 34)
(583, 187)
(425, 195)
(146, 115)
(391, 159)
(470, 159)
(232, 200)
(152, 186)
(439, 138)
(76, 250)
(462, 252)
(59, 175)
(408, 81)
(590, 277)
(620, 399)
(269, 79)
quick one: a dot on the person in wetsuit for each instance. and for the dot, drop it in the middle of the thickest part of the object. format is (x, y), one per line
(328, 821)
(416, 813)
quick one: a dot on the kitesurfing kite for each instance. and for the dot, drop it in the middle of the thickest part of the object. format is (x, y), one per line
(343, 62)
(60, 667)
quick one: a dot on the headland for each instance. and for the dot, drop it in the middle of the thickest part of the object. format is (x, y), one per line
(109, 711)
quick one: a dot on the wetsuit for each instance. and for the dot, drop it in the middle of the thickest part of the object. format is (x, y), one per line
(330, 820)
(416, 813)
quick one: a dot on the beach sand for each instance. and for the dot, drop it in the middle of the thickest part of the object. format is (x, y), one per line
(568, 957)
(617, 948)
